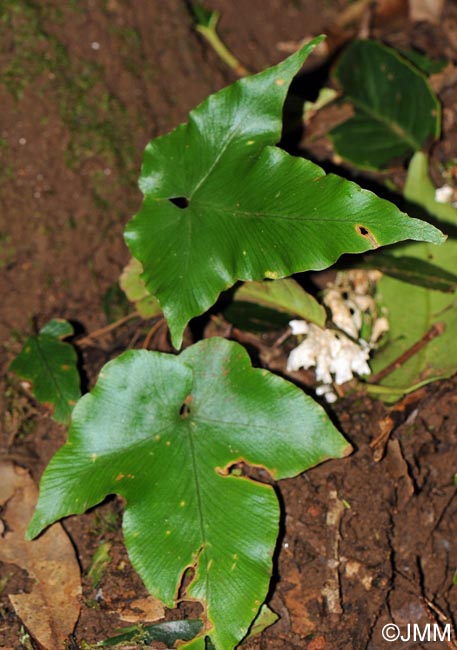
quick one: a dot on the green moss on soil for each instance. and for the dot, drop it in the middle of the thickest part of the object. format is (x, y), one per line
(97, 121)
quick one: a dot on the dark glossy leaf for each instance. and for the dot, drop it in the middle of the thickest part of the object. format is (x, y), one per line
(396, 110)
(255, 318)
(423, 62)
(167, 632)
(413, 270)
(50, 365)
(163, 431)
(223, 204)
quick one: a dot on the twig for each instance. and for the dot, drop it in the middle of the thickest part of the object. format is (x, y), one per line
(157, 325)
(108, 328)
(436, 330)
(332, 588)
(247, 337)
(280, 340)
(434, 613)
(395, 417)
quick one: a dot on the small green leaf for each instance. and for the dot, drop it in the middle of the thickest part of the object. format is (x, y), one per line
(326, 96)
(395, 108)
(58, 327)
(135, 290)
(99, 563)
(50, 365)
(163, 432)
(285, 296)
(205, 17)
(264, 619)
(254, 318)
(223, 204)
(206, 23)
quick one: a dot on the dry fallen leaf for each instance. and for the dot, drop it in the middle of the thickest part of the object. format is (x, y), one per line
(51, 610)
(427, 10)
(143, 610)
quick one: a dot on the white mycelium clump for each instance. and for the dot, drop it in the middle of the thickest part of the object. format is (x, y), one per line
(339, 354)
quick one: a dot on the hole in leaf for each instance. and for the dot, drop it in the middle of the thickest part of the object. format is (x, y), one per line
(180, 202)
(367, 234)
(184, 411)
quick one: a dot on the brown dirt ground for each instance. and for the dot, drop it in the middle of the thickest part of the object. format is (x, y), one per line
(83, 87)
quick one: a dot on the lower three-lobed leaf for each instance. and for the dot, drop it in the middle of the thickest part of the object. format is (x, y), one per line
(223, 203)
(163, 432)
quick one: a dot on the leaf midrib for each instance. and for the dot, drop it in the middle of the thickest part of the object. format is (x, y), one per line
(63, 402)
(392, 125)
(236, 212)
(247, 425)
(225, 144)
(198, 493)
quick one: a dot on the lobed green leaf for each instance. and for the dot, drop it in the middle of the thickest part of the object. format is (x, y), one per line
(163, 431)
(222, 203)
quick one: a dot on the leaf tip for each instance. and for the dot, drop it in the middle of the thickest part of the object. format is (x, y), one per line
(176, 335)
(347, 450)
(33, 529)
(433, 235)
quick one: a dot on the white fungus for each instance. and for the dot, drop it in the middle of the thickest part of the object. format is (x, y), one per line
(331, 353)
(444, 194)
(338, 353)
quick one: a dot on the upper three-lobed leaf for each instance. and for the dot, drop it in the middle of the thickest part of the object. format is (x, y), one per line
(222, 203)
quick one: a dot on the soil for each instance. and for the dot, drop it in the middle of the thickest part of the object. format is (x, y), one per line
(83, 87)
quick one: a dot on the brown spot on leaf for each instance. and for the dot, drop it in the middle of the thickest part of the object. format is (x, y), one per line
(366, 233)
